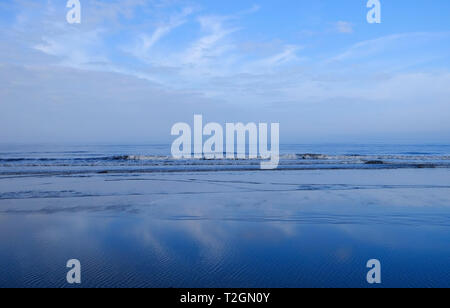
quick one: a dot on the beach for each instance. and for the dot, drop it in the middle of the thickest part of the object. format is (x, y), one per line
(302, 226)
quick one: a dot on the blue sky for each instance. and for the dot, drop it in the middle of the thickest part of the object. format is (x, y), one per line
(133, 68)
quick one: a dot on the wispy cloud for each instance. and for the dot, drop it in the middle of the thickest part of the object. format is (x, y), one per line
(289, 54)
(146, 42)
(207, 47)
(370, 47)
(74, 48)
(254, 9)
(344, 27)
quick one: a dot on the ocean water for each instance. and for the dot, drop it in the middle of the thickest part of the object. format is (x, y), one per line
(23, 160)
(135, 217)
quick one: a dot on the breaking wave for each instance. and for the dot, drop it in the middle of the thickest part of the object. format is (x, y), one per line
(113, 161)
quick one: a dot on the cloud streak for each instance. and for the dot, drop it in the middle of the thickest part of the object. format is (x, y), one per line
(344, 27)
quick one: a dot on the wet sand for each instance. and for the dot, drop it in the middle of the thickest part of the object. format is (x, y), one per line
(313, 228)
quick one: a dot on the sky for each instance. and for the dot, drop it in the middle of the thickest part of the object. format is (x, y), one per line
(133, 68)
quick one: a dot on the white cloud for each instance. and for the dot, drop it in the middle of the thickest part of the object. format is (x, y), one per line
(370, 47)
(74, 48)
(344, 27)
(146, 42)
(289, 54)
(207, 47)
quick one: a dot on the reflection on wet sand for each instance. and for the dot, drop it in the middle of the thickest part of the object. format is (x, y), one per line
(271, 229)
